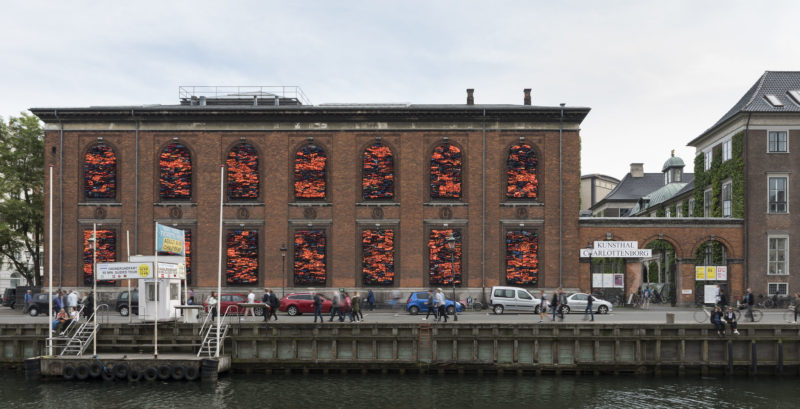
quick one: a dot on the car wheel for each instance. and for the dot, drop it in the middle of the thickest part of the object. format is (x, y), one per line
(498, 309)
(602, 309)
(292, 310)
(259, 311)
(451, 309)
(565, 309)
(124, 311)
(413, 310)
(33, 311)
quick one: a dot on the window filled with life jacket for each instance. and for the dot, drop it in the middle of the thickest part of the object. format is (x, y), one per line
(377, 250)
(441, 260)
(377, 173)
(100, 172)
(187, 240)
(522, 257)
(309, 173)
(445, 171)
(106, 252)
(175, 163)
(242, 262)
(523, 182)
(309, 257)
(242, 169)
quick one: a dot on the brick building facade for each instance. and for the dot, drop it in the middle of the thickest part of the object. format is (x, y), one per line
(359, 195)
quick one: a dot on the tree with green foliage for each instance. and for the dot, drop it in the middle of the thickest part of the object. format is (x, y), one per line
(22, 200)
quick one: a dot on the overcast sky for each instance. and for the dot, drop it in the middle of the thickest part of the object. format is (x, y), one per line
(656, 74)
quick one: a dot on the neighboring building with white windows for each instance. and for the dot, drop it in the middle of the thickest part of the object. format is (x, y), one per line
(744, 169)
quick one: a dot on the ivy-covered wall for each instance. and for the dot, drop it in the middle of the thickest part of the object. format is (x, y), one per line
(732, 168)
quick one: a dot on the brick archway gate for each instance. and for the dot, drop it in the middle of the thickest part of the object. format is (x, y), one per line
(684, 234)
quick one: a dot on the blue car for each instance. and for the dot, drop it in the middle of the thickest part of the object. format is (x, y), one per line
(418, 303)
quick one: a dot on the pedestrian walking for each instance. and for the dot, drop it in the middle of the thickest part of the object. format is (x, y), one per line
(211, 301)
(267, 308)
(562, 303)
(722, 299)
(318, 308)
(542, 306)
(554, 304)
(441, 305)
(336, 306)
(251, 299)
(371, 300)
(730, 318)
(348, 306)
(646, 298)
(431, 306)
(356, 303)
(589, 309)
(749, 300)
(274, 304)
(89, 309)
(28, 298)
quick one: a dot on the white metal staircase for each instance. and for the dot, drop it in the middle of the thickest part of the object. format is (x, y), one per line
(208, 331)
(79, 339)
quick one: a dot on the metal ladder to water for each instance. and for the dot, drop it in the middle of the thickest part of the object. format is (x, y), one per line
(425, 344)
(83, 336)
(209, 346)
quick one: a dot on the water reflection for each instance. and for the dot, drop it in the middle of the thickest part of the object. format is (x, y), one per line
(394, 391)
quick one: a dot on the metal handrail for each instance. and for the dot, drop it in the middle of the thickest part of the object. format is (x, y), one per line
(224, 330)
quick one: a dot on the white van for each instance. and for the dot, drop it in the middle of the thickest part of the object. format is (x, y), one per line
(513, 299)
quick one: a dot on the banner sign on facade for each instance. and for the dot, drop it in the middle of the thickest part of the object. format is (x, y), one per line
(699, 273)
(168, 270)
(169, 240)
(608, 281)
(124, 271)
(722, 273)
(709, 273)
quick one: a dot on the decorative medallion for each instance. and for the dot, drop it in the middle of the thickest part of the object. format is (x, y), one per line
(99, 213)
(377, 213)
(522, 212)
(243, 213)
(310, 213)
(175, 212)
(446, 213)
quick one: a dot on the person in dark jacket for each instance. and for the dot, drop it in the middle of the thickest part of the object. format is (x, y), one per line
(273, 304)
(431, 309)
(371, 300)
(267, 308)
(318, 308)
(730, 318)
(554, 303)
(589, 309)
(722, 299)
(716, 319)
(749, 300)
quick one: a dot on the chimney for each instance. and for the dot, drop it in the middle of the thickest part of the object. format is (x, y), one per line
(202, 101)
(637, 170)
(470, 98)
(527, 99)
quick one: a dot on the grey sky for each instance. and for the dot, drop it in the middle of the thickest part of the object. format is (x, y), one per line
(656, 74)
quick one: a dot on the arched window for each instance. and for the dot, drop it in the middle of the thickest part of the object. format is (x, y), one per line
(309, 257)
(443, 263)
(377, 173)
(175, 163)
(522, 258)
(242, 263)
(100, 172)
(309, 173)
(523, 182)
(446, 172)
(242, 166)
(377, 249)
(106, 252)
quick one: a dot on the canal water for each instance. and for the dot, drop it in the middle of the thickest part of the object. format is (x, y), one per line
(395, 391)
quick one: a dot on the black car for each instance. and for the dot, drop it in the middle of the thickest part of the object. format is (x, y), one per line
(40, 303)
(10, 297)
(122, 303)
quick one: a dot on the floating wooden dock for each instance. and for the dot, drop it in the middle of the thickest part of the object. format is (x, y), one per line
(131, 368)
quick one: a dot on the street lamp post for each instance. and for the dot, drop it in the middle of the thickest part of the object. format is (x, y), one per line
(451, 244)
(93, 244)
(591, 279)
(283, 270)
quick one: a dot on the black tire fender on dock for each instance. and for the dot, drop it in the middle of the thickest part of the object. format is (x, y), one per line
(121, 370)
(95, 369)
(150, 374)
(107, 374)
(68, 372)
(134, 375)
(82, 372)
(163, 372)
(191, 373)
(178, 372)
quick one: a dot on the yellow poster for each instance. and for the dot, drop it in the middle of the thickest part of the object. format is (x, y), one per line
(711, 273)
(699, 273)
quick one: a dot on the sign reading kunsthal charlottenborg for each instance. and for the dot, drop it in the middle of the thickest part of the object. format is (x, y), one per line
(625, 249)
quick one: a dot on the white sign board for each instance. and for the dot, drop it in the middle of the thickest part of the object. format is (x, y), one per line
(722, 273)
(710, 293)
(686, 291)
(124, 271)
(623, 253)
(616, 245)
(168, 266)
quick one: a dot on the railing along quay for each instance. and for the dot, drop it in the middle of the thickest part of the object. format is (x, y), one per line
(548, 348)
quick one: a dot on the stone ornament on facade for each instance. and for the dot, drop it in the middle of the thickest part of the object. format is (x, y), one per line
(175, 212)
(243, 213)
(99, 213)
(310, 213)
(377, 213)
(446, 213)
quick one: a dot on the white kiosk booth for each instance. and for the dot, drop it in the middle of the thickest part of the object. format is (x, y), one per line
(170, 273)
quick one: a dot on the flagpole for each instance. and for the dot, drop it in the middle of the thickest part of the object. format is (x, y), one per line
(50, 267)
(219, 270)
(128, 243)
(94, 287)
(155, 278)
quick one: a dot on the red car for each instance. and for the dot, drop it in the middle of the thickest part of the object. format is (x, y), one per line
(299, 303)
(229, 302)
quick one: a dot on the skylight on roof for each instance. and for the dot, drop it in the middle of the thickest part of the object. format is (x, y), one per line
(773, 100)
(795, 94)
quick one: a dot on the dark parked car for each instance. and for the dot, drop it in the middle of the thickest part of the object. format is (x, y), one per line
(122, 303)
(418, 302)
(9, 297)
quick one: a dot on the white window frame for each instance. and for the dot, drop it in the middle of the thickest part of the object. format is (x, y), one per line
(679, 209)
(727, 211)
(784, 176)
(708, 158)
(707, 198)
(784, 272)
(778, 286)
(727, 152)
(690, 212)
(785, 132)
(667, 212)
